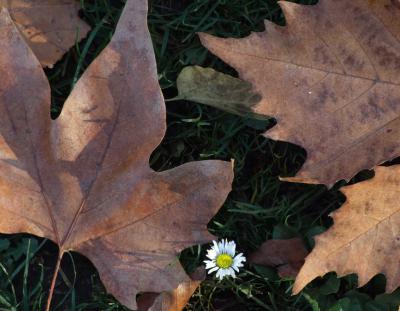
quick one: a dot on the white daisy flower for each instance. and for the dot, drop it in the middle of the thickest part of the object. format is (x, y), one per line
(223, 260)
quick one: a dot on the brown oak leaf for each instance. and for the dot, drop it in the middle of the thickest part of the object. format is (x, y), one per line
(50, 27)
(330, 78)
(84, 181)
(365, 236)
(287, 255)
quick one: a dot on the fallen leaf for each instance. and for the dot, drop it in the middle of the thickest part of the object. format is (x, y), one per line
(50, 27)
(331, 79)
(365, 236)
(175, 300)
(210, 87)
(287, 255)
(146, 300)
(84, 181)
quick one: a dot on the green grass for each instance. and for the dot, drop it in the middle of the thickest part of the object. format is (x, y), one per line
(260, 206)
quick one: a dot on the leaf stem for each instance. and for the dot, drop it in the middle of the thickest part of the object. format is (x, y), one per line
(53, 281)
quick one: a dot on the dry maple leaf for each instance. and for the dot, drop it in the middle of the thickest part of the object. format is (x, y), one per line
(365, 236)
(287, 255)
(50, 27)
(331, 78)
(84, 180)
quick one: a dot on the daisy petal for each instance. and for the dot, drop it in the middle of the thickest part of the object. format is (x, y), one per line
(224, 273)
(236, 266)
(219, 274)
(209, 264)
(221, 247)
(232, 273)
(239, 258)
(215, 247)
(231, 248)
(212, 270)
(212, 254)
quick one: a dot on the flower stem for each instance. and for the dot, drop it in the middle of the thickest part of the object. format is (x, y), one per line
(53, 281)
(255, 299)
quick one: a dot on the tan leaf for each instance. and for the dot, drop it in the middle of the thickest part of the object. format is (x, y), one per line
(287, 255)
(331, 79)
(84, 180)
(210, 87)
(365, 236)
(50, 27)
(175, 300)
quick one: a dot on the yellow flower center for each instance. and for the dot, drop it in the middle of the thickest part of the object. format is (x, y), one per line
(224, 261)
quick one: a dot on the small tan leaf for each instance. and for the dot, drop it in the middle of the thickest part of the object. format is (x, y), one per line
(331, 79)
(210, 87)
(146, 300)
(84, 181)
(50, 27)
(177, 299)
(287, 255)
(365, 236)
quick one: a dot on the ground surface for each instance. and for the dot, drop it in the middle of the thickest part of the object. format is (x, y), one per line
(260, 206)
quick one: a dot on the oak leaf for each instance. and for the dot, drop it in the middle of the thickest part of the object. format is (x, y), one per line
(287, 255)
(365, 236)
(50, 27)
(84, 181)
(330, 78)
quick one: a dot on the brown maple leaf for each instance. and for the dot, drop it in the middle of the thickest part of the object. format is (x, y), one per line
(287, 255)
(365, 236)
(50, 27)
(84, 180)
(331, 79)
